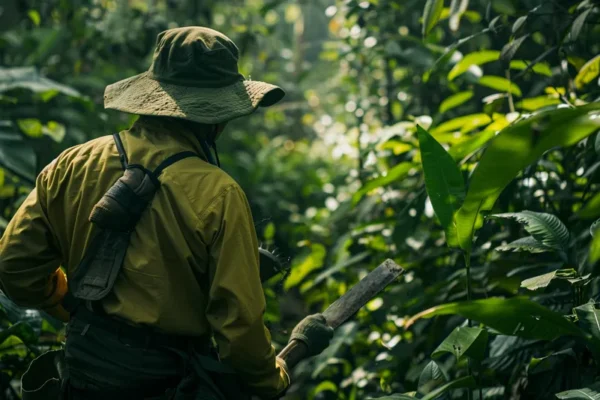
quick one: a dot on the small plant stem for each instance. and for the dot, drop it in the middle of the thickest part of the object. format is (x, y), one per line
(467, 256)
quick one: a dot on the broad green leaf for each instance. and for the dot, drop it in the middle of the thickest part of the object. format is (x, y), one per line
(464, 382)
(432, 377)
(464, 341)
(443, 179)
(399, 171)
(28, 78)
(545, 228)
(588, 72)
(542, 68)
(396, 396)
(55, 131)
(591, 209)
(577, 25)
(311, 262)
(22, 330)
(510, 49)
(550, 362)
(325, 386)
(535, 103)
(542, 281)
(518, 23)
(471, 144)
(457, 9)
(13, 346)
(529, 244)
(588, 318)
(455, 100)
(513, 149)
(431, 14)
(31, 127)
(470, 121)
(591, 392)
(475, 58)
(16, 155)
(517, 316)
(499, 83)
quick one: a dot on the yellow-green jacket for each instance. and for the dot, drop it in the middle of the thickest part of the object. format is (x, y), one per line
(192, 263)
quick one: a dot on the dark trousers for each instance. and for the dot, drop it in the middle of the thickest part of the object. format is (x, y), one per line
(111, 366)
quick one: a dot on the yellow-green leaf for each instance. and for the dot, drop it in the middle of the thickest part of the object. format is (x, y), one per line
(455, 100)
(31, 127)
(588, 72)
(500, 83)
(471, 120)
(475, 58)
(542, 68)
(534, 103)
(34, 16)
(591, 208)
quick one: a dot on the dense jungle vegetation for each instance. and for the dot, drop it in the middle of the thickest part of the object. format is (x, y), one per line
(457, 137)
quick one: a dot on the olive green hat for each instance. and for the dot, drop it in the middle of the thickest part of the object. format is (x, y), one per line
(194, 76)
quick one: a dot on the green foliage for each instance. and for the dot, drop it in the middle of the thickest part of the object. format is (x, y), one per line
(339, 177)
(545, 228)
(588, 393)
(464, 341)
(443, 179)
(512, 150)
(514, 316)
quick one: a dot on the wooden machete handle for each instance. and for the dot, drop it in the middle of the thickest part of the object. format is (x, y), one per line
(293, 353)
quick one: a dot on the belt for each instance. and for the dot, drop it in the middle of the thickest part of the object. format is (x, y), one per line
(146, 336)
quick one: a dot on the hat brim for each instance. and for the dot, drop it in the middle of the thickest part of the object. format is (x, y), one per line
(143, 95)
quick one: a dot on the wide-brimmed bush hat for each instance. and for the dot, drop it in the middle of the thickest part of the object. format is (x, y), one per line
(194, 76)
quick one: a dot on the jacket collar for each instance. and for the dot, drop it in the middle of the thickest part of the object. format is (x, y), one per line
(177, 132)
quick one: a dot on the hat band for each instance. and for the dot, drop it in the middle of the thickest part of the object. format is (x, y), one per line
(221, 82)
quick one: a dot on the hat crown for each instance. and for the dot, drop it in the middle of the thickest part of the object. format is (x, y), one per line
(195, 56)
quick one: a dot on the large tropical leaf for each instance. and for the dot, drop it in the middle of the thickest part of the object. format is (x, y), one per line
(443, 179)
(460, 383)
(591, 392)
(528, 243)
(29, 78)
(16, 155)
(432, 377)
(545, 228)
(591, 208)
(513, 149)
(542, 281)
(516, 316)
(588, 317)
(464, 341)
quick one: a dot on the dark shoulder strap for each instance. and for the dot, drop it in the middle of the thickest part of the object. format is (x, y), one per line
(121, 149)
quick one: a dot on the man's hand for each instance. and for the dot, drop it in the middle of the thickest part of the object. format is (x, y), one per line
(314, 332)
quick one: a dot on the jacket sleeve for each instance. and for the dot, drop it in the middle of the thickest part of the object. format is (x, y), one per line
(236, 301)
(29, 258)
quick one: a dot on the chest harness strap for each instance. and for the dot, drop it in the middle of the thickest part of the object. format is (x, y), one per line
(116, 216)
